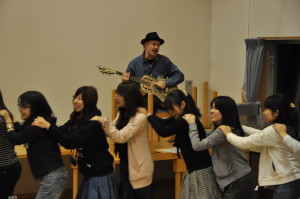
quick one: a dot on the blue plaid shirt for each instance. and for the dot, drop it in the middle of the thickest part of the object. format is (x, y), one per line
(160, 67)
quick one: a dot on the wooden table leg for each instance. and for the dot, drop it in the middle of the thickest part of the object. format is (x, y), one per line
(177, 184)
(178, 168)
(75, 180)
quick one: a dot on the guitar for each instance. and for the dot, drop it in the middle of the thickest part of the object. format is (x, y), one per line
(147, 83)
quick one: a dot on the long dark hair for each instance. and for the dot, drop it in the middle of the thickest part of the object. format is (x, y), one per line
(230, 116)
(90, 98)
(133, 100)
(288, 114)
(175, 97)
(37, 102)
(3, 106)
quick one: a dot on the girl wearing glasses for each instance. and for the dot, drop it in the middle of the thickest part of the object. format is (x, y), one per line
(42, 151)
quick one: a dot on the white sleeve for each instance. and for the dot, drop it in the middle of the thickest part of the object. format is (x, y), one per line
(249, 130)
(292, 144)
(263, 138)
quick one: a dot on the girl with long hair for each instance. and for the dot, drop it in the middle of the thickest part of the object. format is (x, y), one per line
(199, 181)
(43, 152)
(230, 164)
(130, 132)
(10, 167)
(277, 165)
(88, 138)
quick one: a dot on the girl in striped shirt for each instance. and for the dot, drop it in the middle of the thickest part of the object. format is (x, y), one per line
(10, 167)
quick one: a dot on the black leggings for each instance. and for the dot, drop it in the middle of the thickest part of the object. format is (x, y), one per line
(9, 176)
(127, 192)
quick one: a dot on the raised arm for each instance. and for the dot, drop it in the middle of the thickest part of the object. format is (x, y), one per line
(292, 144)
(70, 139)
(135, 125)
(263, 138)
(249, 130)
(26, 135)
(77, 138)
(166, 127)
(215, 139)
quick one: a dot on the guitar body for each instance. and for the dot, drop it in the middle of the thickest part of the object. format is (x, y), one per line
(150, 87)
(147, 83)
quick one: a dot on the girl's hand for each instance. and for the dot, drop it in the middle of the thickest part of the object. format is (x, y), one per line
(142, 110)
(189, 118)
(225, 129)
(99, 119)
(280, 129)
(5, 114)
(105, 125)
(41, 122)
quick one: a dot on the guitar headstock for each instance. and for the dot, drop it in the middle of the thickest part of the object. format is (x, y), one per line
(106, 71)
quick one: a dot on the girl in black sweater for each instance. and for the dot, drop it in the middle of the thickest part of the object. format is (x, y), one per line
(199, 181)
(42, 151)
(88, 138)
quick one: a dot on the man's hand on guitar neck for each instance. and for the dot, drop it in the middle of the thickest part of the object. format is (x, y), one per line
(125, 77)
(161, 84)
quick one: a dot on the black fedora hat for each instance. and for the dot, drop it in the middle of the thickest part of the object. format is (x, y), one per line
(152, 36)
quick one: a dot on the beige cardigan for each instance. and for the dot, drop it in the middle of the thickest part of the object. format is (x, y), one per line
(273, 152)
(140, 162)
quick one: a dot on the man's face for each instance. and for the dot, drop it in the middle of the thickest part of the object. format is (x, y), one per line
(151, 49)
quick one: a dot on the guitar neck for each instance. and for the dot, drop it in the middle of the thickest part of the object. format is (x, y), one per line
(132, 78)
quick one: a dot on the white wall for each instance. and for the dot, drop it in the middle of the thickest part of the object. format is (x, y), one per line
(235, 20)
(54, 46)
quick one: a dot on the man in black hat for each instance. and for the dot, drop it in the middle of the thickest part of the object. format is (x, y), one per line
(154, 64)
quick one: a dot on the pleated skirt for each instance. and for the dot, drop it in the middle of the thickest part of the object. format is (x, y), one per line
(100, 187)
(200, 184)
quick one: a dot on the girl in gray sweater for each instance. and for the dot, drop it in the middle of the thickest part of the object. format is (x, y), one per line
(230, 164)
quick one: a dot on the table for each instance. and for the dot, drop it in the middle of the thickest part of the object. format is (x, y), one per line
(178, 164)
(22, 154)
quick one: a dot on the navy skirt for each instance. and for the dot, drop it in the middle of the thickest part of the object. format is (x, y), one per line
(100, 187)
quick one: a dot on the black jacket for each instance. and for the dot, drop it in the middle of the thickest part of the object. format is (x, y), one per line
(43, 152)
(89, 139)
(194, 160)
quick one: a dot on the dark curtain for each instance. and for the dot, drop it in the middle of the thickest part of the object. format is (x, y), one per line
(254, 59)
(288, 71)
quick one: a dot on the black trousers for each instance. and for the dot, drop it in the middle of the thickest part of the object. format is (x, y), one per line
(9, 176)
(127, 192)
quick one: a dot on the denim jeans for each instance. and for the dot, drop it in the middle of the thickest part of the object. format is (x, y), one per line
(53, 184)
(290, 190)
(241, 188)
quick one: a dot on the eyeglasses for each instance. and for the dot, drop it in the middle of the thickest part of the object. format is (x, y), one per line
(23, 106)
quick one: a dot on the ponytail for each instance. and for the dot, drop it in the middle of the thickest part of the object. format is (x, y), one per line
(288, 114)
